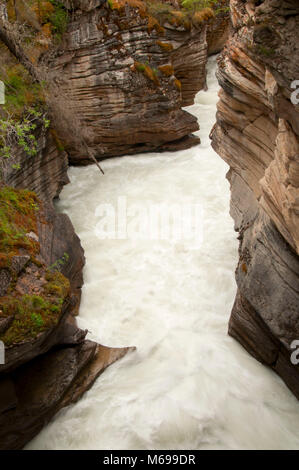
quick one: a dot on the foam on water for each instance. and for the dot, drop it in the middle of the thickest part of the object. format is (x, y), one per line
(188, 385)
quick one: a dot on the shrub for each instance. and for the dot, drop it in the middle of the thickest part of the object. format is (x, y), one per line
(58, 18)
(18, 217)
(197, 5)
(166, 70)
(165, 46)
(160, 10)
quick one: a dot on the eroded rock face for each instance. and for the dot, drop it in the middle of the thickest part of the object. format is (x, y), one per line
(124, 83)
(47, 370)
(127, 80)
(44, 173)
(219, 29)
(35, 392)
(257, 134)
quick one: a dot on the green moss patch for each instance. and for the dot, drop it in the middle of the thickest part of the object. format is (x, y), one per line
(57, 285)
(149, 72)
(18, 217)
(32, 313)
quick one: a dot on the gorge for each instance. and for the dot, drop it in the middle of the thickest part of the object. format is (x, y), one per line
(187, 385)
(121, 79)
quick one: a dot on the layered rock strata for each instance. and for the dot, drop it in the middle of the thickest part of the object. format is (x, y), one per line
(48, 362)
(219, 29)
(257, 134)
(119, 79)
(127, 81)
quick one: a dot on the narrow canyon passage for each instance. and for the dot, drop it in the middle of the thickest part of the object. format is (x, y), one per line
(188, 385)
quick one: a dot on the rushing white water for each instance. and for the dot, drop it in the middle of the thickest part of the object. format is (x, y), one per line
(188, 385)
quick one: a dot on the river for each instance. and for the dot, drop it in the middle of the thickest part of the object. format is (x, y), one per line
(188, 385)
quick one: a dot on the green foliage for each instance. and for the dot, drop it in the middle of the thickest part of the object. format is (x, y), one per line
(18, 117)
(149, 72)
(32, 313)
(140, 67)
(37, 319)
(18, 209)
(59, 18)
(189, 12)
(20, 133)
(20, 92)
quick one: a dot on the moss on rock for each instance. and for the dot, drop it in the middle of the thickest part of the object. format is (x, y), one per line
(41, 308)
(18, 218)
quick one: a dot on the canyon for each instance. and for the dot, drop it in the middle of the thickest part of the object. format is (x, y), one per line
(112, 61)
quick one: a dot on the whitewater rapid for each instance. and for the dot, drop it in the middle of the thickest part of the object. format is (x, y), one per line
(188, 385)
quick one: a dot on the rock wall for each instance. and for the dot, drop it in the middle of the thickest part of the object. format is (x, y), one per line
(257, 134)
(48, 362)
(109, 72)
(119, 79)
(44, 173)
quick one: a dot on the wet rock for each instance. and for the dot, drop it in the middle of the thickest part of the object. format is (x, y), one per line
(56, 380)
(257, 134)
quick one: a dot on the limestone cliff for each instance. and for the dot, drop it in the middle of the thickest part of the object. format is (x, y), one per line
(119, 72)
(257, 134)
(113, 80)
